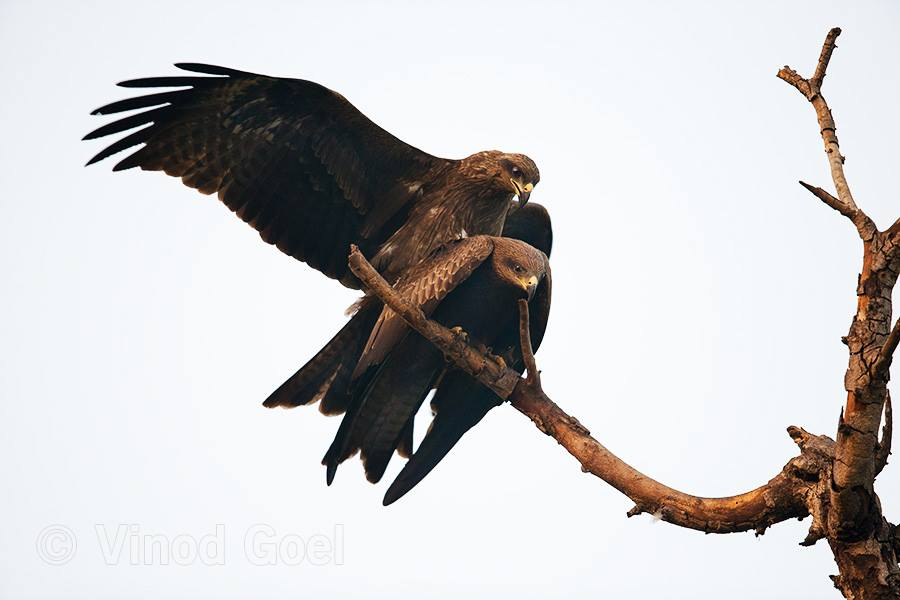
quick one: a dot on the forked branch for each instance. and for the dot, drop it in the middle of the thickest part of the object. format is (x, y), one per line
(783, 497)
(831, 480)
(812, 90)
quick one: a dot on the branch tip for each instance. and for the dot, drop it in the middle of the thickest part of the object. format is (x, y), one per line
(634, 511)
(814, 535)
(810, 88)
(799, 435)
(828, 199)
(825, 57)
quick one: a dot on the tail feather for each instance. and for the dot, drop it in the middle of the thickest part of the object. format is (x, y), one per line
(385, 400)
(405, 446)
(337, 397)
(393, 401)
(460, 402)
(342, 447)
(326, 376)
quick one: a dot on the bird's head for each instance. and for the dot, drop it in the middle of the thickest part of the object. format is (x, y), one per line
(512, 174)
(520, 265)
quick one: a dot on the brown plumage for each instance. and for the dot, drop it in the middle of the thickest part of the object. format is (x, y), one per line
(472, 283)
(309, 171)
(313, 175)
(460, 402)
(327, 375)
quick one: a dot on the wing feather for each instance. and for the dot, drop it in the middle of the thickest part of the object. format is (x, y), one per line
(460, 402)
(424, 285)
(292, 158)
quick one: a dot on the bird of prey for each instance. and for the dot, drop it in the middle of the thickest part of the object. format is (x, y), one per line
(327, 376)
(473, 284)
(460, 402)
(313, 175)
(309, 171)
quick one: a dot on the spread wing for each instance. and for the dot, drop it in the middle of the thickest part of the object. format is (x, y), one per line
(424, 285)
(292, 158)
(460, 402)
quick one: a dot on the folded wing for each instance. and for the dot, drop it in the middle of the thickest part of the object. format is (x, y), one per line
(460, 401)
(397, 368)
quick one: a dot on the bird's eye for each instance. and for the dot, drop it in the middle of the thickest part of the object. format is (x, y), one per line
(516, 171)
(519, 269)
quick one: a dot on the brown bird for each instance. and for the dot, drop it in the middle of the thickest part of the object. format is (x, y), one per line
(314, 175)
(327, 375)
(309, 171)
(473, 284)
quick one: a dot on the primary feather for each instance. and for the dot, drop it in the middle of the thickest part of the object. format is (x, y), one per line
(308, 170)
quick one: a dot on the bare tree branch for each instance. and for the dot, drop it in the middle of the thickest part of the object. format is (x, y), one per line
(534, 376)
(811, 90)
(824, 58)
(851, 518)
(783, 497)
(794, 78)
(833, 481)
(488, 369)
(828, 199)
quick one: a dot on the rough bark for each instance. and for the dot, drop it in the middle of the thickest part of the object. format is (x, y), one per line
(860, 537)
(833, 481)
(783, 497)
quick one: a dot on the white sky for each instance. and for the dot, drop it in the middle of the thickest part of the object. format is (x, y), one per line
(700, 295)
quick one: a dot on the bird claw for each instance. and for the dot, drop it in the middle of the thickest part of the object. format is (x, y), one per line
(489, 352)
(460, 332)
(486, 350)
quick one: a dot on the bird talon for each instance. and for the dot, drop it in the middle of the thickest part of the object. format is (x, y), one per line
(460, 332)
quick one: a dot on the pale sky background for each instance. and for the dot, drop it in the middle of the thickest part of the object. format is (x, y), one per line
(699, 295)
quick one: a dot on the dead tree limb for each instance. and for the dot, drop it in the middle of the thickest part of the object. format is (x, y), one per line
(830, 480)
(534, 375)
(783, 497)
(812, 89)
(856, 529)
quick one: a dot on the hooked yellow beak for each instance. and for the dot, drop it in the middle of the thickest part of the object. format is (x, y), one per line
(522, 191)
(529, 285)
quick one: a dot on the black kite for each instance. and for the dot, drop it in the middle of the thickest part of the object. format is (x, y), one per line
(473, 284)
(309, 171)
(327, 375)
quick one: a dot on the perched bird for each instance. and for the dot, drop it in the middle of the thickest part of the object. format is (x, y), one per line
(326, 376)
(313, 175)
(473, 284)
(460, 402)
(309, 171)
